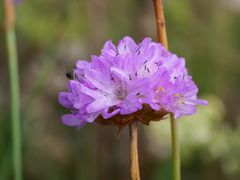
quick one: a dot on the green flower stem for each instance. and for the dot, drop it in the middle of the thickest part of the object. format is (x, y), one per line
(162, 38)
(15, 94)
(175, 149)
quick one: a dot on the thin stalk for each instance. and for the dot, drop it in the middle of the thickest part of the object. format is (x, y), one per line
(175, 149)
(15, 93)
(134, 163)
(160, 22)
(162, 38)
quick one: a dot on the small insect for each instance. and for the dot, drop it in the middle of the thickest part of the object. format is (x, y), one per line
(70, 74)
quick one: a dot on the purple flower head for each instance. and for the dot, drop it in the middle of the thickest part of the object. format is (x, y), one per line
(17, 2)
(124, 78)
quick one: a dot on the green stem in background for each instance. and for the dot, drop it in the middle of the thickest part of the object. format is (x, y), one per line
(175, 149)
(162, 38)
(15, 94)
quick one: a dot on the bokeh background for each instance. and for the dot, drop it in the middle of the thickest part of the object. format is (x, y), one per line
(53, 34)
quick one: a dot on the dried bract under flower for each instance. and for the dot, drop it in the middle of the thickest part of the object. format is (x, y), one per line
(118, 85)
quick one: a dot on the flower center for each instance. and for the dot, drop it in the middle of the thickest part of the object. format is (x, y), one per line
(121, 94)
(160, 89)
(180, 98)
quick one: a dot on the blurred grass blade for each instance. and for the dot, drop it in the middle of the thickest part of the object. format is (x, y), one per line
(15, 95)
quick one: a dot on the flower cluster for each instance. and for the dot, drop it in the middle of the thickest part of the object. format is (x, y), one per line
(124, 78)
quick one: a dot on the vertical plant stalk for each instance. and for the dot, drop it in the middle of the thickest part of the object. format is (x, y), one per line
(134, 163)
(160, 21)
(175, 149)
(162, 38)
(15, 94)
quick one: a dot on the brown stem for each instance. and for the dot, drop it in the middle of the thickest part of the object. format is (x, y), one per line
(134, 163)
(10, 15)
(161, 29)
(162, 38)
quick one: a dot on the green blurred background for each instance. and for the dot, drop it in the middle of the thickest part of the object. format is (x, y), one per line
(53, 34)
